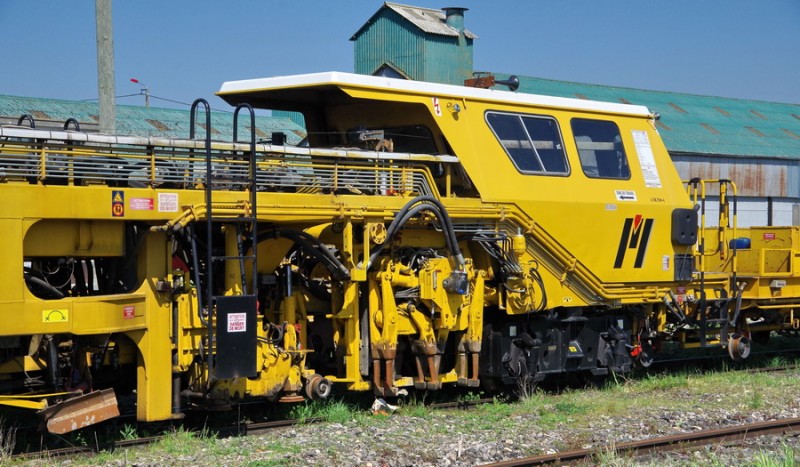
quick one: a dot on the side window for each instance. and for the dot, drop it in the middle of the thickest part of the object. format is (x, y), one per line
(533, 143)
(600, 148)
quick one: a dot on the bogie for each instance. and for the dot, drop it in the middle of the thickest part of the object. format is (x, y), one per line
(407, 247)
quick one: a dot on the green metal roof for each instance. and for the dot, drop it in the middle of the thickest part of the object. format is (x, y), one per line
(697, 124)
(142, 121)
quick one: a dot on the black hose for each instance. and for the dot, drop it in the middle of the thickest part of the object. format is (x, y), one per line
(451, 244)
(196, 274)
(447, 225)
(409, 210)
(314, 247)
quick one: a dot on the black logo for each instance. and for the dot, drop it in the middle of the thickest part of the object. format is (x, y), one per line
(635, 235)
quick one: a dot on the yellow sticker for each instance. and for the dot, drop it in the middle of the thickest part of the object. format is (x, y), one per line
(55, 316)
(572, 348)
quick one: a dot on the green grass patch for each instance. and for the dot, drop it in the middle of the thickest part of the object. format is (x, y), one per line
(330, 410)
(788, 458)
(181, 442)
(662, 382)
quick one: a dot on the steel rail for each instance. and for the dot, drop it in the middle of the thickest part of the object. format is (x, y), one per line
(735, 434)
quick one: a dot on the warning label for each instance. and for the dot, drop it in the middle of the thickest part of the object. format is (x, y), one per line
(117, 203)
(167, 202)
(129, 312)
(142, 204)
(237, 322)
(437, 107)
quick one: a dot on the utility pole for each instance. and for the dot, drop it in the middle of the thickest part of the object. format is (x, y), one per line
(105, 67)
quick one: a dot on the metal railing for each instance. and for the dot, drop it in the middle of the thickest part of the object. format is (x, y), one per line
(35, 157)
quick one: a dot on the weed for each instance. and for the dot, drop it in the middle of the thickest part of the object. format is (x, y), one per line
(756, 400)
(182, 441)
(570, 407)
(338, 412)
(8, 440)
(498, 410)
(267, 463)
(525, 388)
(415, 408)
(469, 396)
(769, 459)
(664, 382)
(128, 432)
(609, 456)
(302, 412)
(331, 411)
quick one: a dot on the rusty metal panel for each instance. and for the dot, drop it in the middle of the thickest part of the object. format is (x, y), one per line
(81, 411)
(753, 177)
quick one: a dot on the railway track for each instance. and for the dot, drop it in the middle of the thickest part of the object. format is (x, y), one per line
(640, 447)
(245, 429)
(736, 434)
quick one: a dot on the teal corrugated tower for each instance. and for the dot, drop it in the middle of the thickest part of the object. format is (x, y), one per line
(416, 43)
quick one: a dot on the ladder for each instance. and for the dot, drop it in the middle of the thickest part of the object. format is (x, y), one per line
(231, 317)
(722, 313)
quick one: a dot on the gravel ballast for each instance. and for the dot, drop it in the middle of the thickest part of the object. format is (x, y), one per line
(540, 424)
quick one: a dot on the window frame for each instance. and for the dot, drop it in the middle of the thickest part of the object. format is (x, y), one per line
(520, 118)
(580, 158)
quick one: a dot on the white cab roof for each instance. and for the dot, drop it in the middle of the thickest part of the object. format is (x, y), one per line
(421, 87)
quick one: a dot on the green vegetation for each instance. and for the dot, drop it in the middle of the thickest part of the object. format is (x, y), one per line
(538, 410)
(8, 440)
(329, 410)
(771, 459)
(128, 432)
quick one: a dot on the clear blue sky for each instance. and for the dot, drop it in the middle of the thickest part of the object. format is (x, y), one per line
(185, 49)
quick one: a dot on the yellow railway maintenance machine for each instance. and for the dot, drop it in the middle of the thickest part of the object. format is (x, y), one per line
(422, 235)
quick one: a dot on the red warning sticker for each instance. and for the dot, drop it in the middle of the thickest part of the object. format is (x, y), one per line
(237, 322)
(142, 204)
(117, 203)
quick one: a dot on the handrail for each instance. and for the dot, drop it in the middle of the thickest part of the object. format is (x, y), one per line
(252, 188)
(27, 117)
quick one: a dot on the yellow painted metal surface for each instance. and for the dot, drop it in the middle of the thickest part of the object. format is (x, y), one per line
(404, 248)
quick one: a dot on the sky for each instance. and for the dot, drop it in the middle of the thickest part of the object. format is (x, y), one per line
(185, 49)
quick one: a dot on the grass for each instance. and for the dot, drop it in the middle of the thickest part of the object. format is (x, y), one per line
(128, 432)
(330, 410)
(8, 440)
(771, 459)
(536, 411)
(181, 442)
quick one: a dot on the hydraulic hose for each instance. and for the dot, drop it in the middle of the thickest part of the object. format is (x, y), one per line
(313, 246)
(412, 208)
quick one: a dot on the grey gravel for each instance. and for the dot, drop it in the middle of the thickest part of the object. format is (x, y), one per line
(486, 435)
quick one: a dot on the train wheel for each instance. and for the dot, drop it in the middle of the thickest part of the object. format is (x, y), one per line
(739, 347)
(318, 388)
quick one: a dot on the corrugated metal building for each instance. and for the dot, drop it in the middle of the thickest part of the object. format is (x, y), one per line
(754, 143)
(140, 121)
(417, 43)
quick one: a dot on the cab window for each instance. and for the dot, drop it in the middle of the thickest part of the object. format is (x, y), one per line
(532, 142)
(600, 148)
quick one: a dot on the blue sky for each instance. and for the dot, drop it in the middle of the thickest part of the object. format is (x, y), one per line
(185, 49)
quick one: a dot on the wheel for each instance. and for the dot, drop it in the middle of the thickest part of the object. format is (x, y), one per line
(739, 347)
(318, 387)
